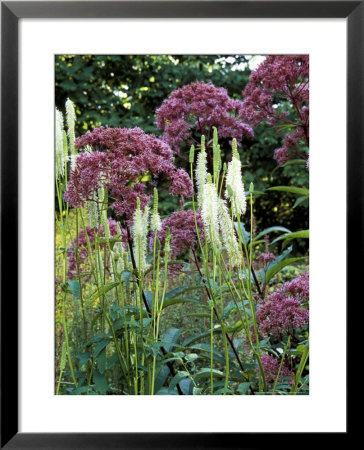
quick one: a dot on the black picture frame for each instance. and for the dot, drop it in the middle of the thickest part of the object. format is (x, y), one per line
(11, 12)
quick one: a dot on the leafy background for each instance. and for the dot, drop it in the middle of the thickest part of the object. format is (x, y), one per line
(126, 90)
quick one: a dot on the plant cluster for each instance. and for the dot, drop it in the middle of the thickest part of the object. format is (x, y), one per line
(121, 267)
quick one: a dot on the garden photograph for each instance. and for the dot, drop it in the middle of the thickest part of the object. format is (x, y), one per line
(181, 225)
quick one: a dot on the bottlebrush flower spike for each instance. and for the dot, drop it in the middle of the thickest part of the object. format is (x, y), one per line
(71, 120)
(93, 211)
(155, 220)
(210, 213)
(201, 172)
(60, 161)
(228, 235)
(140, 232)
(234, 180)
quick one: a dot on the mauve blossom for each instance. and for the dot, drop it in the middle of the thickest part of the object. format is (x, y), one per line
(271, 368)
(283, 310)
(266, 258)
(199, 106)
(299, 286)
(129, 163)
(181, 184)
(280, 78)
(183, 230)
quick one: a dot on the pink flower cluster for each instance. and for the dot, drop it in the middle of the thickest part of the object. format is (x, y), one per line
(283, 309)
(198, 107)
(280, 79)
(183, 230)
(299, 287)
(81, 241)
(271, 368)
(266, 258)
(128, 163)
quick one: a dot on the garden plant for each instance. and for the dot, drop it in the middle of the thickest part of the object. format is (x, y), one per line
(166, 281)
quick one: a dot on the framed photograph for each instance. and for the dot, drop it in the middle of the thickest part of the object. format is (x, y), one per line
(174, 222)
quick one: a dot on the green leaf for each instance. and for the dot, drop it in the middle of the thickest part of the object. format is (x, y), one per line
(270, 229)
(279, 258)
(165, 391)
(175, 301)
(244, 232)
(186, 386)
(170, 337)
(291, 189)
(243, 388)
(199, 336)
(100, 346)
(303, 234)
(75, 288)
(101, 361)
(300, 200)
(278, 267)
(176, 379)
(106, 288)
(160, 378)
(100, 383)
(223, 391)
(180, 290)
(206, 373)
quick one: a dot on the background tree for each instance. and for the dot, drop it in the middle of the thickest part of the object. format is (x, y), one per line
(126, 90)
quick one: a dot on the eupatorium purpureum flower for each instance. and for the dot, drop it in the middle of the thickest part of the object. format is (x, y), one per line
(197, 107)
(129, 163)
(278, 80)
(271, 369)
(183, 229)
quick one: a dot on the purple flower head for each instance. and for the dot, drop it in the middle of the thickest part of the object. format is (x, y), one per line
(283, 309)
(181, 184)
(271, 368)
(183, 230)
(128, 162)
(299, 287)
(200, 106)
(279, 79)
(266, 258)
